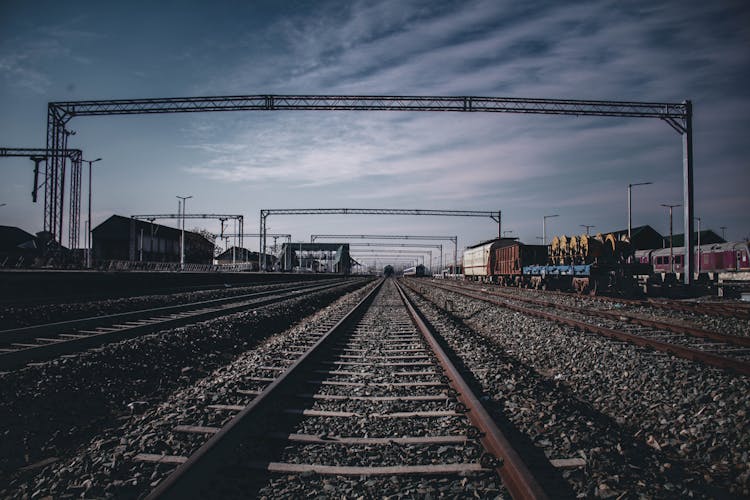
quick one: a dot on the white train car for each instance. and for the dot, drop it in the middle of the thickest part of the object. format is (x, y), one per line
(477, 260)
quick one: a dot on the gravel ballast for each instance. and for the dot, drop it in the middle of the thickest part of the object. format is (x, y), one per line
(104, 465)
(49, 407)
(682, 423)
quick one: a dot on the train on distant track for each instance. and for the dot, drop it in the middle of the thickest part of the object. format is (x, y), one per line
(586, 264)
(418, 271)
(591, 264)
(717, 257)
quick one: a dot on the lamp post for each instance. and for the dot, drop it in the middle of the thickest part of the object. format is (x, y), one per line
(630, 206)
(544, 227)
(587, 226)
(671, 247)
(88, 233)
(182, 236)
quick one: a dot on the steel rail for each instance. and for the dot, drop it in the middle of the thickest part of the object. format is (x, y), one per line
(730, 310)
(623, 316)
(513, 471)
(714, 360)
(187, 479)
(203, 311)
(28, 332)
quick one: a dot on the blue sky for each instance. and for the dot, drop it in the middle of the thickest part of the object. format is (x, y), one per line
(526, 166)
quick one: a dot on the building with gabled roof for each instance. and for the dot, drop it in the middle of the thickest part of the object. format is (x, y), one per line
(125, 238)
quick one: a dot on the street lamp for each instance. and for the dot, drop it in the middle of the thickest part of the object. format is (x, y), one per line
(88, 233)
(182, 236)
(671, 248)
(630, 209)
(544, 227)
(587, 226)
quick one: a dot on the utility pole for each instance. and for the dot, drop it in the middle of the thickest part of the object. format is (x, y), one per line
(182, 236)
(723, 232)
(671, 246)
(88, 233)
(587, 226)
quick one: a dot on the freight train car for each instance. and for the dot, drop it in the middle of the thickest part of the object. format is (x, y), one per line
(479, 260)
(589, 264)
(582, 263)
(415, 271)
(501, 260)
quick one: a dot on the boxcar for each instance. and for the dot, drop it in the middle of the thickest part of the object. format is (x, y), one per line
(501, 260)
(510, 260)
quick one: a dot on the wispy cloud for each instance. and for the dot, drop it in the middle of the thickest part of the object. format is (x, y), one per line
(26, 62)
(585, 50)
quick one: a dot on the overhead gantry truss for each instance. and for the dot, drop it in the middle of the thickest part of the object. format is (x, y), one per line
(38, 155)
(671, 111)
(359, 253)
(386, 246)
(438, 247)
(677, 114)
(264, 213)
(453, 239)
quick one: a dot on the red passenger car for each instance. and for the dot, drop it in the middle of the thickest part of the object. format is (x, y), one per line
(717, 257)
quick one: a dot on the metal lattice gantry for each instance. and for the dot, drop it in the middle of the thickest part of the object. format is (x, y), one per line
(265, 213)
(275, 236)
(394, 254)
(453, 239)
(38, 155)
(438, 247)
(678, 115)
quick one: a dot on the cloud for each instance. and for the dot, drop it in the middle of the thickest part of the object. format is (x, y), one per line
(26, 62)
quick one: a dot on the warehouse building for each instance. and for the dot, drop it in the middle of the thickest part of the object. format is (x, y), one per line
(124, 238)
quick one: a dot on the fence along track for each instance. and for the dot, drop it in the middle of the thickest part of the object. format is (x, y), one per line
(379, 357)
(37, 343)
(661, 331)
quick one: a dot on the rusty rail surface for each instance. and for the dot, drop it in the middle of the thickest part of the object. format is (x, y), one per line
(738, 366)
(731, 310)
(187, 479)
(191, 476)
(624, 316)
(513, 471)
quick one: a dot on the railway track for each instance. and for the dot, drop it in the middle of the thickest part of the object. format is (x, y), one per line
(712, 348)
(372, 395)
(726, 309)
(20, 346)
